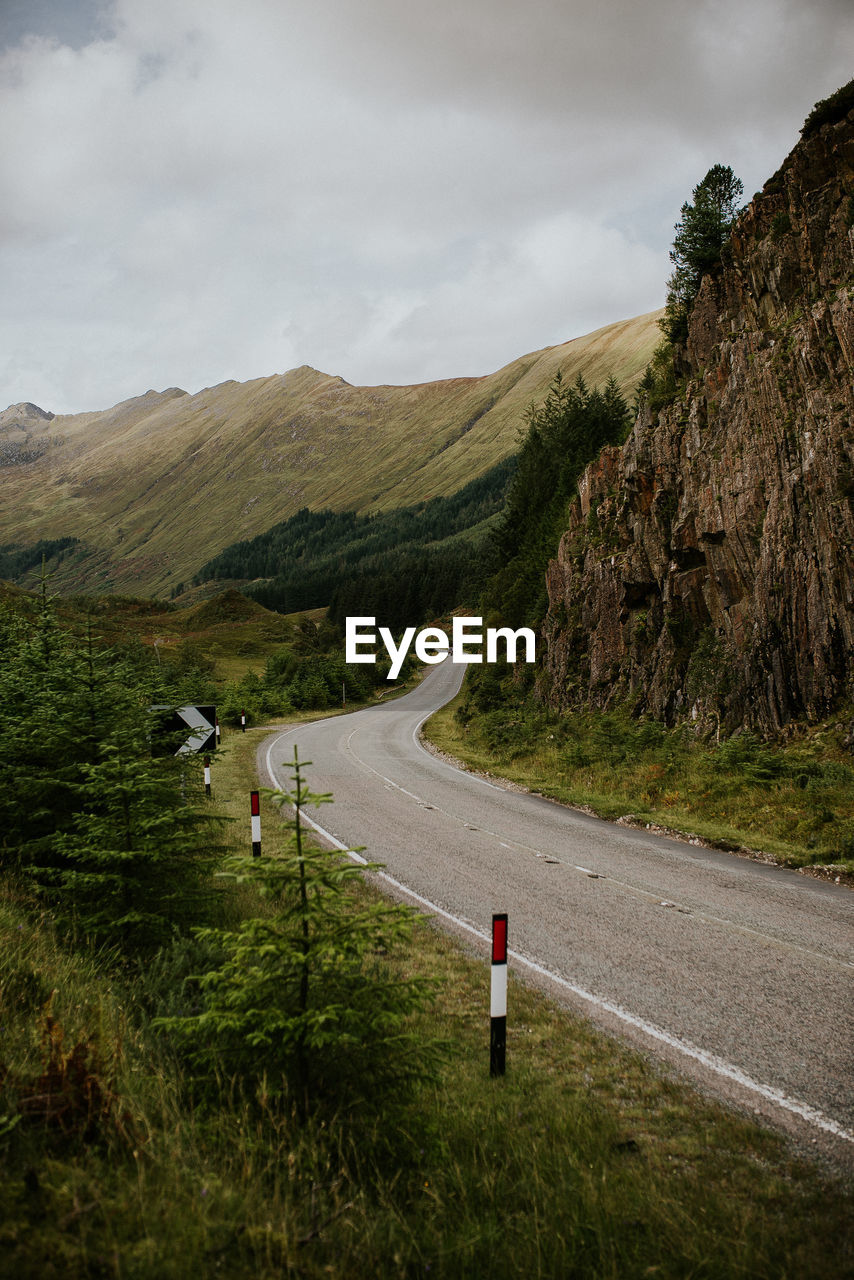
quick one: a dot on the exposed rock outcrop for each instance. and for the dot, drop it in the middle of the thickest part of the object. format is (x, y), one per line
(708, 567)
(22, 433)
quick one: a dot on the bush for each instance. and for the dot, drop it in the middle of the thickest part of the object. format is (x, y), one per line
(829, 110)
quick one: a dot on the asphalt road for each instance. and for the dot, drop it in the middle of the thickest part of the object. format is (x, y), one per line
(739, 974)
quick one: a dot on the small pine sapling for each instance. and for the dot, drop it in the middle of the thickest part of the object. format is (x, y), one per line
(307, 1008)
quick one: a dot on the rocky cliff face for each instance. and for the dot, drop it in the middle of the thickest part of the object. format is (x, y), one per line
(708, 567)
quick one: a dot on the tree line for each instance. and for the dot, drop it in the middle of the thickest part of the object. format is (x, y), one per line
(403, 565)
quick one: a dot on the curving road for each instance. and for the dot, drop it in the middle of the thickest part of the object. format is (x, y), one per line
(738, 973)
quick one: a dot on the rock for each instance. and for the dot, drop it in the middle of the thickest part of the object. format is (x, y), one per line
(722, 589)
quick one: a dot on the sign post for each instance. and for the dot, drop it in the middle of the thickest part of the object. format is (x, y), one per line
(255, 810)
(498, 996)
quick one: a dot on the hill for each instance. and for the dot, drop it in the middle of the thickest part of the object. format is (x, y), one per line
(157, 485)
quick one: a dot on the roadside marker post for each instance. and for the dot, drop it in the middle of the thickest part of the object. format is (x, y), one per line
(498, 996)
(243, 722)
(217, 731)
(207, 775)
(255, 807)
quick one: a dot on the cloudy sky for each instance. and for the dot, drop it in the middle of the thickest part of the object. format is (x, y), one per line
(392, 191)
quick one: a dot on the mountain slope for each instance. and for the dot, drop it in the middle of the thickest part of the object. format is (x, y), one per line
(159, 484)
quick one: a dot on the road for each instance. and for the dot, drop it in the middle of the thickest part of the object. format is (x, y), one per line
(738, 973)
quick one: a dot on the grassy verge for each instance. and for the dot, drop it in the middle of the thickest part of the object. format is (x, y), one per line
(793, 804)
(583, 1161)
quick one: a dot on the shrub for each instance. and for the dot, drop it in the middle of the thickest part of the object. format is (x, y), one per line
(829, 110)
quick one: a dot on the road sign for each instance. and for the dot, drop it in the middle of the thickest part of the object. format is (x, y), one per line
(201, 721)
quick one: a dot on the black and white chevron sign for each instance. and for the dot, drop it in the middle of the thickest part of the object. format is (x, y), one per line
(200, 721)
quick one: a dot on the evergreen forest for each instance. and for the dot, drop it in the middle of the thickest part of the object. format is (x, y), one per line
(487, 546)
(401, 566)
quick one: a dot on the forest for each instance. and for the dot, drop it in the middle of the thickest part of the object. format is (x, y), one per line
(488, 544)
(403, 565)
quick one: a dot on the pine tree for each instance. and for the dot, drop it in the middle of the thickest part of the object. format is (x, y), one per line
(46, 731)
(134, 868)
(105, 832)
(563, 434)
(701, 233)
(305, 1005)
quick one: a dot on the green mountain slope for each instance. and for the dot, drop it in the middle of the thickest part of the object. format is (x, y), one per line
(157, 485)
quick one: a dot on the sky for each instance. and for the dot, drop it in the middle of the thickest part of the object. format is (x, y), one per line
(389, 191)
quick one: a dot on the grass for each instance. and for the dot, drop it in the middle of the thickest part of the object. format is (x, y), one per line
(233, 632)
(583, 1161)
(792, 804)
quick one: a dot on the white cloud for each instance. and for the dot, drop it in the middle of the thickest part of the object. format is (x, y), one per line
(388, 191)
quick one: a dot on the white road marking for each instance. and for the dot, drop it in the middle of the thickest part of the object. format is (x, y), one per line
(694, 912)
(709, 1060)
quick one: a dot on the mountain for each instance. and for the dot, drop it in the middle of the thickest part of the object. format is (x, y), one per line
(157, 485)
(708, 567)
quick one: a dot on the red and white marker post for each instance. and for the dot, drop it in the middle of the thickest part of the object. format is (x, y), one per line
(243, 722)
(217, 731)
(255, 806)
(498, 996)
(207, 775)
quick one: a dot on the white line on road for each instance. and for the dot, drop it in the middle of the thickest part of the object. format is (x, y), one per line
(713, 1063)
(695, 912)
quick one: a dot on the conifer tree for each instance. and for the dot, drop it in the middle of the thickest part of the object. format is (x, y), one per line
(107, 834)
(305, 1005)
(45, 732)
(701, 233)
(134, 868)
(563, 434)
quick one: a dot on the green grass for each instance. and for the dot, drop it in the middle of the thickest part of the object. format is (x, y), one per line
(583, 1161)
(793, 804)
(225, 629)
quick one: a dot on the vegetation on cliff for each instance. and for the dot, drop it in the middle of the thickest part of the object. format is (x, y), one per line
(701, 233)
(707, 566)
(830, 110)
(563, 434)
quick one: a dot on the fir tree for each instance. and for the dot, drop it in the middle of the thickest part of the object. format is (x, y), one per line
(563, 434)
(305, 1005)
(105, 832)
(701, 234)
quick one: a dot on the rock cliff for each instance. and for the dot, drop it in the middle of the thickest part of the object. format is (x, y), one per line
(708, 567)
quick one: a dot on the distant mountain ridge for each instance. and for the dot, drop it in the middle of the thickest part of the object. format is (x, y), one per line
(156, 485)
